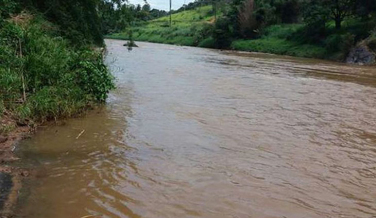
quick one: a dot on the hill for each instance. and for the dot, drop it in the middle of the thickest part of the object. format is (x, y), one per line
(188, 28)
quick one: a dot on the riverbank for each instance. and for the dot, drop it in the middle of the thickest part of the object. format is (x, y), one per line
(43, 77)
(271, 45)
(11, 177)
(195, 34)
(198, 27)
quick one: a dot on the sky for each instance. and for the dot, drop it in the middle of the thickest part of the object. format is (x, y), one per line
(162, 4)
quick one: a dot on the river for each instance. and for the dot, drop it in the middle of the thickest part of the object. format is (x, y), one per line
(193, 132)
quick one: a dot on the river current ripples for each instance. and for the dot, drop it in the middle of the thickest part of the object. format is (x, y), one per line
(193, 132)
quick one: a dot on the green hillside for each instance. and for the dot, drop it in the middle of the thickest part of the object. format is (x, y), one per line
(198, 27)
(195, 28)
(187, 29)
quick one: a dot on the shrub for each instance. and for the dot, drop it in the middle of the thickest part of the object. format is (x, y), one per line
(222, 33)
(207, 43)
(7, 7)
(340, 44)
(202, 32)
(347, 42)
(93, 76)
(43, 77)
(333, 43)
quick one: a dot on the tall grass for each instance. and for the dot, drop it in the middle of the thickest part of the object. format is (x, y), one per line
(42, 76)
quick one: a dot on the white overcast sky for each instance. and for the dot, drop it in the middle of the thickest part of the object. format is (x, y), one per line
(162, 4)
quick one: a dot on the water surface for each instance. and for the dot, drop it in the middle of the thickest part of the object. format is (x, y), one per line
(194, 132)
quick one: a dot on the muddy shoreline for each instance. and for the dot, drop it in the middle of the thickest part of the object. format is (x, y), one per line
(11, 177)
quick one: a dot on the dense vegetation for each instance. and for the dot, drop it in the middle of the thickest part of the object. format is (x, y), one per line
(116, 15)
(49, 64)
(307, 28)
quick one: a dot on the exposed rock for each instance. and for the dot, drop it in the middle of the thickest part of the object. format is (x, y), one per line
(24, 173)
(130, 44)
(3, 139)
(361, 55)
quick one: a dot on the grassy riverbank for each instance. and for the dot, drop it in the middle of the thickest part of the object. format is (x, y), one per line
(194, 28)
(187, 29)
(274, 40)
(49, 69)
(43, 76)
(197, 27)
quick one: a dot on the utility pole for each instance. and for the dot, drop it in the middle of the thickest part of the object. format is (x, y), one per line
(170, 13)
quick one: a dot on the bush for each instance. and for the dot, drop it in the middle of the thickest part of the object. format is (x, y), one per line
(7, 7)
(347, 42)
(222, 33)
(207, 43)
(47, 59)
(93, 76)
(340, 44)
(43, 77)
(333, 43)
(202, 32)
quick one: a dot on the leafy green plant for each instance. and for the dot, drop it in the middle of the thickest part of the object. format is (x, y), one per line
(42, 76)
(94, 78)
(207, 43)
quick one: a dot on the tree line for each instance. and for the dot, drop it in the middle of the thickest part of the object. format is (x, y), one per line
(247, 18)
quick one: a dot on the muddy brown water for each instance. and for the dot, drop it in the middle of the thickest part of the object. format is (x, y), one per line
(194, 132)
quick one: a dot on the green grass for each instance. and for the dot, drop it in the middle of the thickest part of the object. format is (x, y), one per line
(195, 27)
(275, 40)
(184, 31)
(279, 46)
(188, 26)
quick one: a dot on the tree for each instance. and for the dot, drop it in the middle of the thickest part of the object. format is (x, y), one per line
(288, 11)
(336, 10)
(138, 8)
(146, 7)
(339, 10)
(315, 16)
(247, 21)
(78, 19)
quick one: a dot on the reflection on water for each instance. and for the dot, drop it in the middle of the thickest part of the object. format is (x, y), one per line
(201, 133)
